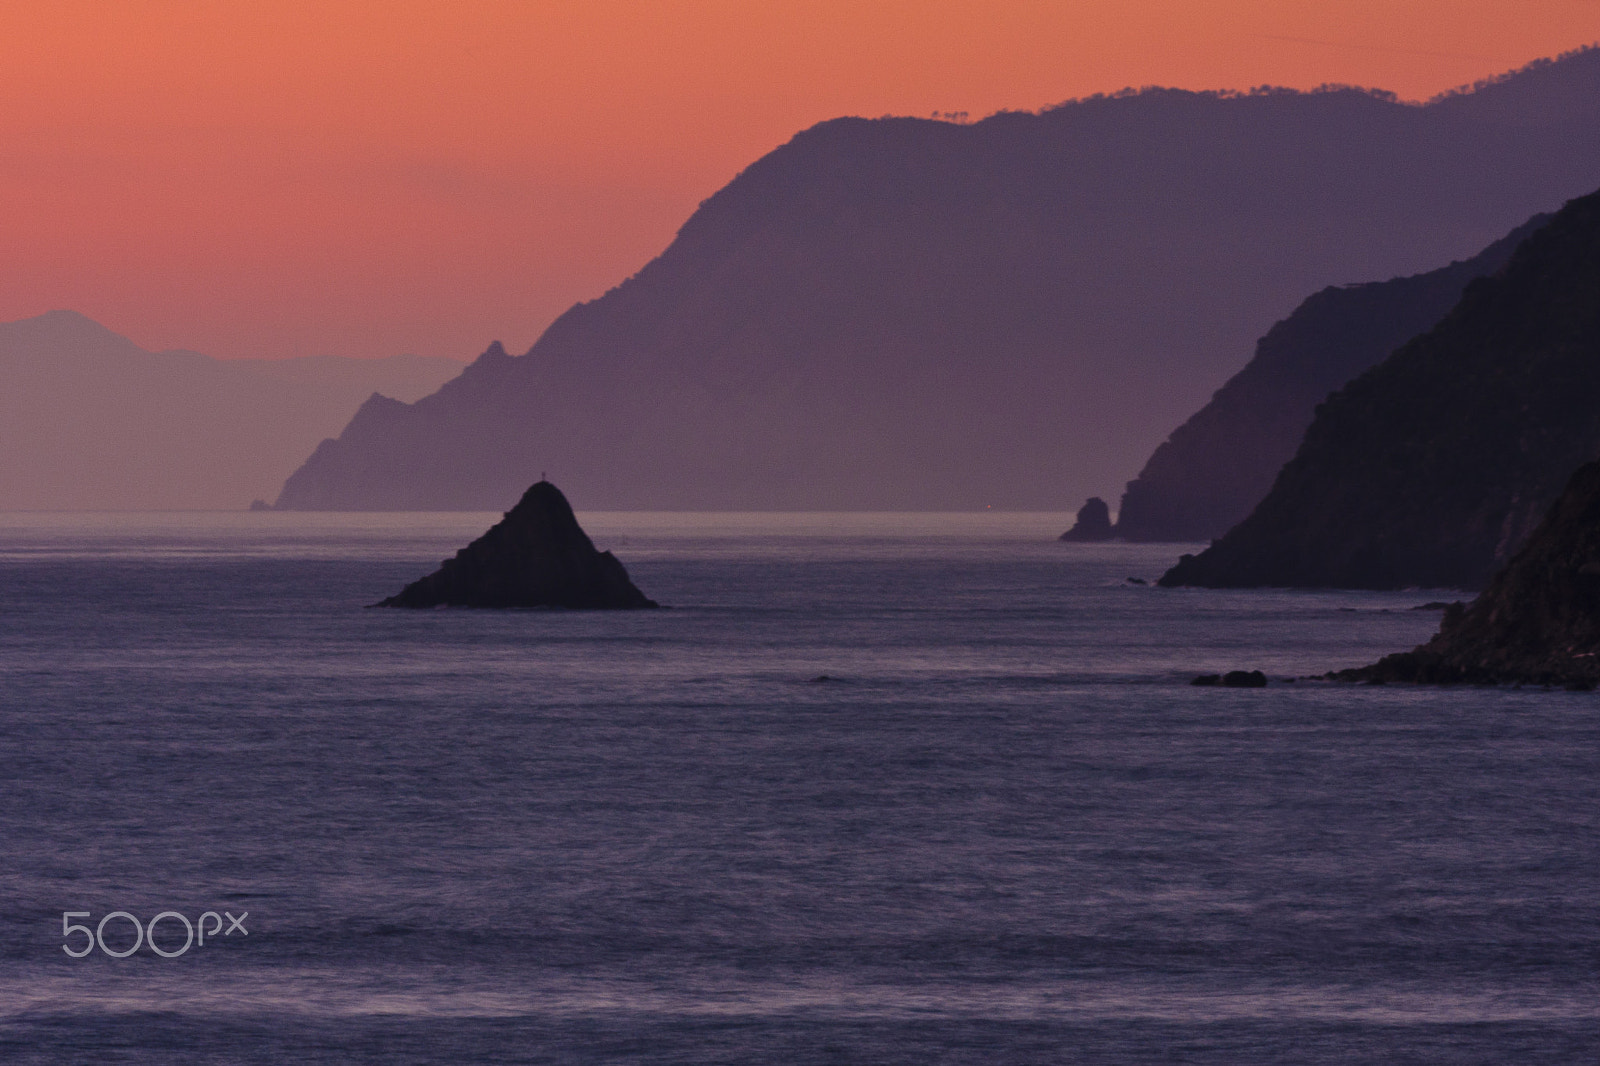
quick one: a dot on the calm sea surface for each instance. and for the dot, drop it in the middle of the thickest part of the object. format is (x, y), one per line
(878, 789)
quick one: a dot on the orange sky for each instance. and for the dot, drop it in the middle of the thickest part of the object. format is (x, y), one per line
(277, 178)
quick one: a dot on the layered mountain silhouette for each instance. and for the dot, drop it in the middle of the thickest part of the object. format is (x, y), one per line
(1432, 468)
(911, 314)
(1207, 476)
(91, 421)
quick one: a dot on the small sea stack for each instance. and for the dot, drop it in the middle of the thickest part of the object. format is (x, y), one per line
(1538, 621)
(536, 556)
(1093, 524)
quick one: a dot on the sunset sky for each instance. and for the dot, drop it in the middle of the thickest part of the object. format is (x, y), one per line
(277, 179)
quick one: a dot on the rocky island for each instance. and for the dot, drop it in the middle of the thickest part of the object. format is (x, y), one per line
(1538, 622)
(536, 556)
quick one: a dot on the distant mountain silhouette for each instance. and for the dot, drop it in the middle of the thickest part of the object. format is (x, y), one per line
(901, 313)
(406, 378)
(1207, 476)
(1432, 468)
(91, 421)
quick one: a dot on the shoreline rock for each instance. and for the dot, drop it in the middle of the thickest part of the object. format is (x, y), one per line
(1538, 621)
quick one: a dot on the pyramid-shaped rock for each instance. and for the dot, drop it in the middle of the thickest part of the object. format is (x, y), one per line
(1538, 622)
(536, 556)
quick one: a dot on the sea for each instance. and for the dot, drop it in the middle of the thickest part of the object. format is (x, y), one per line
(895, 788)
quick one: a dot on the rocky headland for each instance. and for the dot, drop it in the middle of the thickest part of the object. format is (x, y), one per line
(536, 556)
(1538, 622)
(1432, 468)
(1206, 477)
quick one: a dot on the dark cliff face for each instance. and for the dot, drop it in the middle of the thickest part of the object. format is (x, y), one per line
(1538, 622)
(1219, 464)
(906, 314)
(536, 556)
(1432, 468)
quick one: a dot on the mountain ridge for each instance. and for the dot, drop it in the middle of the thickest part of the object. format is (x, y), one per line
(906, 314)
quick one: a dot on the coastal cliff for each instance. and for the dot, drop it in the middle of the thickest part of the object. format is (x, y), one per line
(1432, 468)
(1206, 477)
(1538, 622)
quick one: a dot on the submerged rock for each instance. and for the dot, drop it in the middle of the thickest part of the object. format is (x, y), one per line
(1233, 679)
(1538, 622)
(536, 556)
(1094, 522)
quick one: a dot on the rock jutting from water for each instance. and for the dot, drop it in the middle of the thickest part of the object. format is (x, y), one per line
(1232, 679)
(536, 556)
(1093, 524)
(1538, 622)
